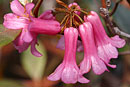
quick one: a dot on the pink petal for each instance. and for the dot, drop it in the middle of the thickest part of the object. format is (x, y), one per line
(27, 36)
(19, 44)
(82, 79)
(61, 43)
(112, 66)
(47, 15)
(56, 75)
(106, 52)
(34, 50)
(85, 65)
(79, 46)
(17, 8)
(117, 42)
(21, 47)
(98, 65)
(90, 51)
(29, 7)
(12, 21)
(69, 75)
(44, 26)
(19, 40)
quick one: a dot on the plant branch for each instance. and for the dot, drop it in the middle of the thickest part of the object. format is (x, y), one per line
(36, 9)
(103, 3)
(119, 32)
(124, 53)
(110, 24)
(115, 7)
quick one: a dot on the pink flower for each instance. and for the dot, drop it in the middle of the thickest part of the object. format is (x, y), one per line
(75, 6)
(106, 46)
(91, 57)
(21, 18)
(68, 70)
(61, 44)
(41, 26)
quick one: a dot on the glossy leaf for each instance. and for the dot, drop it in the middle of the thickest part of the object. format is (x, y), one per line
(24, 2)
(34, 66)
(7, 35)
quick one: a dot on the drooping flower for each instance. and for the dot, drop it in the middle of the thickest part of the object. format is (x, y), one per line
(41, 26)
(20, 19)
(106, 46)
(68, 70)
(61, 44)
(91, 57)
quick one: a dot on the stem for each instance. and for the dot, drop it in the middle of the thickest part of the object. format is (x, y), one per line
(103, 3)
(62, 30)
(62, 3)
(61, 10)
(124, 53)
(115, 8)
(119, 32)
(79, 18)
(64, 19)
(36, 9)
(71, 20)
(82, 11)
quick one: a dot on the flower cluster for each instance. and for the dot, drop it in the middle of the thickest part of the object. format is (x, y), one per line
(98, 50)
(97, 46)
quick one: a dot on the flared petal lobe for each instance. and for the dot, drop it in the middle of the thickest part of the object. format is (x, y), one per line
(17, 8)
(40, 26)
(68, 70)
(106, 46)
(29, 7)
(91, 57)
(12, 21)
(47, 15)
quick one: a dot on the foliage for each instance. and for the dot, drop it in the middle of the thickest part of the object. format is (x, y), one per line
(34, 66)
(7, 35)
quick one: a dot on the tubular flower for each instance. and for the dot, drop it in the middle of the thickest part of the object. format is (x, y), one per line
(68, 70)
(91, 57)
(61, 44)
(20, 19)
(106, 46)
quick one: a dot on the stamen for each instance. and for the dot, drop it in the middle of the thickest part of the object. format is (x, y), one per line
(79, 18)
(65, 25)
(82, 11)
(62, 10)
(64, 19)
(62, 3)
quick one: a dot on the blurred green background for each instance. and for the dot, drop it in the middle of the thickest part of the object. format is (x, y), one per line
(25, 70)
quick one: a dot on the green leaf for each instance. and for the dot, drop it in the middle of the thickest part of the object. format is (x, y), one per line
(7, 35)
(24, 2)
(34, 66)
(10, 83)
